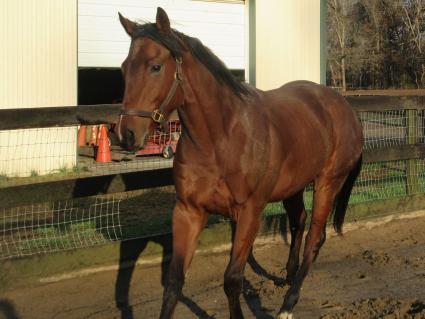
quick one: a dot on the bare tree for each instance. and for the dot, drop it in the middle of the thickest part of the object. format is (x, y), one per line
(338, 28)
(376, 43)
(414, 20)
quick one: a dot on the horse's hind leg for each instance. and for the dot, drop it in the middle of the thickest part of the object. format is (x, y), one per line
(295, 209)
(325, 192)
(247, 226)
(187, 225)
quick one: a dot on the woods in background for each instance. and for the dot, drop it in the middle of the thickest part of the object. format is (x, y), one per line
(376, 44)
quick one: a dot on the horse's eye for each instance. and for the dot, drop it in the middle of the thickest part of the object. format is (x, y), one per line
(156, 68)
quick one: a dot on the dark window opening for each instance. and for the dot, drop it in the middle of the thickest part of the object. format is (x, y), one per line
(100, 86)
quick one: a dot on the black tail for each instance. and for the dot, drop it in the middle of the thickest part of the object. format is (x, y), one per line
(341, 201)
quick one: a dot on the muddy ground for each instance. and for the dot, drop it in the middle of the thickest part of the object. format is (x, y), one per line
(374, 271)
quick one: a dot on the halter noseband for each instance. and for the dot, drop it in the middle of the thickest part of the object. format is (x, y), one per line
(157, 115)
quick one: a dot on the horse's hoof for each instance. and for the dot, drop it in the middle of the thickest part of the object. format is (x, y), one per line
(285, 315)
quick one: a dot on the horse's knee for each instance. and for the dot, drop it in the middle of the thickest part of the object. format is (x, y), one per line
(233, 283)
(319, 244)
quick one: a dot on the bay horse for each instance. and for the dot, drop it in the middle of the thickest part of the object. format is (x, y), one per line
(240, 149)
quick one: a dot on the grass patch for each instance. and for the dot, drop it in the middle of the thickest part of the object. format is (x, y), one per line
(63, 237)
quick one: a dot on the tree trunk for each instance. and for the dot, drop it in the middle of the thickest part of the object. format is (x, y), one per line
(344, 83)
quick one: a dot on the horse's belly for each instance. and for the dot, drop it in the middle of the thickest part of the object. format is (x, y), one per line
(286, 188)
(294, 175)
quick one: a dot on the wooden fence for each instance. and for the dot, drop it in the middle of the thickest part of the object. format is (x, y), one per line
(87, 185)
(392, 180)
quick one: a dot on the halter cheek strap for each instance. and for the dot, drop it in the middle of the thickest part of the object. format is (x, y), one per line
(157, 115)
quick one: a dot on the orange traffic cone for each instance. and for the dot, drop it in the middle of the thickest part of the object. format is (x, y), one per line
(103, 150)
(93, 136)
(82, 136)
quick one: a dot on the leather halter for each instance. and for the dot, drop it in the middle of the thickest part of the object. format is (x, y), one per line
(157, 115)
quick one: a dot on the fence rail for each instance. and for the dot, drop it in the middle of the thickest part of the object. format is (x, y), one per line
(23, 118)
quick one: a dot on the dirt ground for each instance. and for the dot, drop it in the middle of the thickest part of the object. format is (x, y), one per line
(376, 270)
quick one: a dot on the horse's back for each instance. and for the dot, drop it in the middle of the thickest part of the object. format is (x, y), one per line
(329, 110)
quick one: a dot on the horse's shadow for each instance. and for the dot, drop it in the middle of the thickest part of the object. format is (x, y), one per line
(251, 295)
(274, 224)
(129, 253)
(7, 310)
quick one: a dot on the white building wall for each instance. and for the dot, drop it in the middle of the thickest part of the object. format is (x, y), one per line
(287, 42)
(102, 41)
(38, 63)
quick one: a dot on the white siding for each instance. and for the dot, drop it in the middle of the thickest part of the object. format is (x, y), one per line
(287, 42)
(102, 42)
(38, 63)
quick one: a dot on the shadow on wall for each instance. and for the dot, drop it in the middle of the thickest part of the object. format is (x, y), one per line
(7, 310)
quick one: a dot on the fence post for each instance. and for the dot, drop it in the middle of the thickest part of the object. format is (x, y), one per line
(412, 178)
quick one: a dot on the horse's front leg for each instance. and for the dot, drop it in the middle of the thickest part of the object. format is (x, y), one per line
(247, 225)
(188, 222)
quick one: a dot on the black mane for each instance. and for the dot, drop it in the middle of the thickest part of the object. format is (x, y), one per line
(173, 41)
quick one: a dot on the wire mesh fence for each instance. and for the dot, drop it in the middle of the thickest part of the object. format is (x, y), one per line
(34, 152)
(392, 128)
(50, 227)
(53, 227)
(46, 154)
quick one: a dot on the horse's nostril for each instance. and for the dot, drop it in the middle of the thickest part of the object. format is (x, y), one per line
(128, 138)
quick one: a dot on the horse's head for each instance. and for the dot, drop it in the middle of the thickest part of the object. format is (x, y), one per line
(152, 75)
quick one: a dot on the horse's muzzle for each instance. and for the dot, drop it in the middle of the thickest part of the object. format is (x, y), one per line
(128, 140)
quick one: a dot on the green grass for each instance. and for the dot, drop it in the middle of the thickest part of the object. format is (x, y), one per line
(65, 170)
(63, 237)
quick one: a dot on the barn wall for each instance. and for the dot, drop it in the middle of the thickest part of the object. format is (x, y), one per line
(287, 41)
(102, 41)
(38, 63)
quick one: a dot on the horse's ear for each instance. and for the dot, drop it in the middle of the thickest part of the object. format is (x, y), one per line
(129, 26)
(162, 21)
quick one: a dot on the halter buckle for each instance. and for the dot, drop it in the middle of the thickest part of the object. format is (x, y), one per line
(157, 116)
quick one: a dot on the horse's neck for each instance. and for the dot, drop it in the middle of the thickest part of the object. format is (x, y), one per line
(208, 109)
